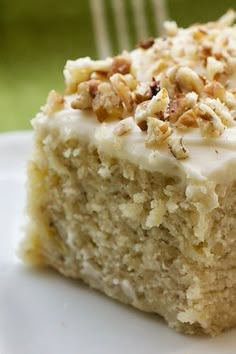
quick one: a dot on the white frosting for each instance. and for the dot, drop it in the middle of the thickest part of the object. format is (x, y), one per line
(209, 158)
(212, 158)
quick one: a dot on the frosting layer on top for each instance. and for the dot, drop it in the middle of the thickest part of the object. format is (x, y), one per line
(168, 106)
(209, 158)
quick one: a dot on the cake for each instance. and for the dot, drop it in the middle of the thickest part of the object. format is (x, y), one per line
(132, 180)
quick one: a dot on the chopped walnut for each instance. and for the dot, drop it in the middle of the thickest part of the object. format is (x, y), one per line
(141, 114)
(99, 75)
(159, 103)
(170, 86)
(122, 90)
(157, 106)
(187, 120)
(146, 43)
(206, 51)
(215, 90)
(106, 104)
(171, 73)
(177, 107)
(171, 28)
(55, 102)
(221, 110)
(130, 81)
(189, 80)
(93, 87)
(155, 87)
(157, 132)
(122, 128)
(84, 99)
(80, 70)
(143, 92)
(214, 67)
(209, 123)
(157, 67)
(230, 100)
(181, 104)
(199, 33)
(177, 148)
(86, 92)
(120, 64)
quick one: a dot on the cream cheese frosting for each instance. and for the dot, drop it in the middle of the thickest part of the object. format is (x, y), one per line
(213, 158)
(179, 88)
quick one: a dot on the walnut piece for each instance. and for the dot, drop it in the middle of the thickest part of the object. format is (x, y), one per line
(187, 120)
(157, 132)
(146, 43)
(81, 69)
(99, 75)
(159, 103)
(86, 92)
(189, 80)
(84, 99)
(199, 33)
(122, 90)
(93, 87)
(141, 114)
(221, 111)
(106, 104)
(55, 102)
(171, 28)
(155, 87)
(214, 67)
(181, 104)
(143, 92)
(215, 89)
(131, 82)
(177, 148)
(156, 107)
(209, 123)
(120, 64)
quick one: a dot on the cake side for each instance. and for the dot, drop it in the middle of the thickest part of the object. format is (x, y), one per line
(129, 233)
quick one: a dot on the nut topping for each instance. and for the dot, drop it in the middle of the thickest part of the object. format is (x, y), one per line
(120, 64)
(181, 82)
(157, 132)
(177, 148)
(146, 43)
(55, 102)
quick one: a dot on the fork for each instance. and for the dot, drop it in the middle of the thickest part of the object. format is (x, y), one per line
(119, 24)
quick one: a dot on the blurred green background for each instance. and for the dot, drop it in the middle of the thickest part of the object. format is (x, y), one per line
(38, 37)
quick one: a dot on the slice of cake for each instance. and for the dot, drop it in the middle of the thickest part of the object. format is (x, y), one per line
(132, 182)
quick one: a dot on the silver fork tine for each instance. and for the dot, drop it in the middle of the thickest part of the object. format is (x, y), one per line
(104, 46)
(160, 14)
(140, 19)
(120, 19)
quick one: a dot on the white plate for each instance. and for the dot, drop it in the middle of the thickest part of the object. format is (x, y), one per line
(44, 313)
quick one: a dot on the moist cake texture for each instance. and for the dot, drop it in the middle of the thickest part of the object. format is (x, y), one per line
(131, 185)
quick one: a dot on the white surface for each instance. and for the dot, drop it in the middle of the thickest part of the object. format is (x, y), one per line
(43, 313)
